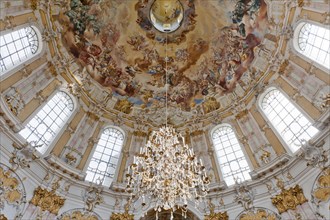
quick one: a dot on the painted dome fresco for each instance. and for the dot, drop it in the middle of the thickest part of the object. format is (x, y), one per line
(206, 47)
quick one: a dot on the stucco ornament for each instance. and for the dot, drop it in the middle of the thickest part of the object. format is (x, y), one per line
(79, 214)
(315, 155)
(215, 215)
(289, 199)
(22, 156)
(321, 193)
(12, 193)
(14, 101)
(92, 197)
(125, 215)
(322, 189)
(244, 195)
(47, 200)
(258, 214)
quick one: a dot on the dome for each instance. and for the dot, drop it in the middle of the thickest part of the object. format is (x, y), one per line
(86, 85)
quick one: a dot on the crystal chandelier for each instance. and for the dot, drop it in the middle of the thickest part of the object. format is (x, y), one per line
(167, 171)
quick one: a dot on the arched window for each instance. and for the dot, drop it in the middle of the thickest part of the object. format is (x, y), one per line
(45, 125)
(290, 123)
(17, 47)
(231, 158)
(314, 43)
(102, 166)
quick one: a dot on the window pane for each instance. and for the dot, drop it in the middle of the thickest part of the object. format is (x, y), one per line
(231, 159)
(106, 157)
(293, 126)
(314, 43)
(41, 128)
(17, 47)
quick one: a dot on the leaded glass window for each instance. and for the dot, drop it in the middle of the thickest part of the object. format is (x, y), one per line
(314, 43)
(290, 123)
(102, 166)
(231, 158)
(45, 125)
(17, 47)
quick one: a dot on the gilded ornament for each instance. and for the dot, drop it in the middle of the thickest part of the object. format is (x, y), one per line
(3, 217)
(322, 192)
(9, 185)
(125, 215)
(70, 158)
(301, 3)
(79, 215)
(139, 133)
(259, 214)
(14, 101)
(34, 4)
(241, 114)
(92, 197)
(217, 216)
(13, 196)
(283, 66)
(12, 192)
(265, 156)
(210, 105)
(124, 106)
(47, 200)
(289, 199)
(121, 216)
(197, 133)
(325, 101)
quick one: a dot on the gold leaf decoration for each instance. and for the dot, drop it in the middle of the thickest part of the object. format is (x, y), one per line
(289, 199)
(322, 192)
(3, 217)
(139, 133)
(259, 214)
(9, 185)
(283, 66)
(121, 216)
(210, 105)
(197, 133)
(34, 4)
(47, 200)
(124, 106)
(217, 216)
(79, 215)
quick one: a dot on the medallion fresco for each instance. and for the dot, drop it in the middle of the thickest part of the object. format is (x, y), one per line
(114, 42)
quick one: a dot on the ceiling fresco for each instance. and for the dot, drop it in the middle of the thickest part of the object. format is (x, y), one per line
(115, 42)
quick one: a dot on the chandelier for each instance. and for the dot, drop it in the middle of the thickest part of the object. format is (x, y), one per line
(167, 171)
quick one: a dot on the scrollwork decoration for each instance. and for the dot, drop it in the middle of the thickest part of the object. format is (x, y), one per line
(258, 214)
(12, 193)
(47, 200)
(79, 214)
(289, 199)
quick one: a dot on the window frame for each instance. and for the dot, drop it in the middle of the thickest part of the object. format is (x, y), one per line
(295, 44)
(61, 130)
(39, 53)
(270, 124)
(215, 154)
(90, 156)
